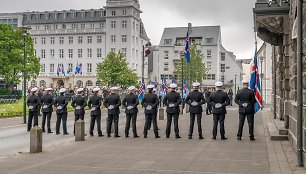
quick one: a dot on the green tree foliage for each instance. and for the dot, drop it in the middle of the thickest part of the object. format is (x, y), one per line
(12, 57)
(114, 71)
(197, 67)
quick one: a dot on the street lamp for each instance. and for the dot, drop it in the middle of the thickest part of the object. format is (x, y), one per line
(261, 76)
(143, 57)
(25, 32)
(235, 83)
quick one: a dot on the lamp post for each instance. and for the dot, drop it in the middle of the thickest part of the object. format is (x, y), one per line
(261, 76)
(143, 57)
(24, 30)
(235, 84)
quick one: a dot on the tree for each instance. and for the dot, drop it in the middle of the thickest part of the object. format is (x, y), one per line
(197, 68)
(12, 56)
(114, 71)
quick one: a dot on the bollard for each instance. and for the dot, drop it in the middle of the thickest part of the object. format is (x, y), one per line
(80, 130)
(187, 108)
(161, 113)
(36, 140)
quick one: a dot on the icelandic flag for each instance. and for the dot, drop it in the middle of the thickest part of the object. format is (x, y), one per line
(255, 83)
(187, 48)
(69, 69)
(58, 70)
(142, 90)
(185, 87)
(164, 85)
(63, 70)
(78, 69)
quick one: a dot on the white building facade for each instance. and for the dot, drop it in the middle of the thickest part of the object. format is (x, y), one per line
(66, 39)
(220, 63)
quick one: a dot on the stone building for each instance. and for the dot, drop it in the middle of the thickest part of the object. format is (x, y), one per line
(275, 22)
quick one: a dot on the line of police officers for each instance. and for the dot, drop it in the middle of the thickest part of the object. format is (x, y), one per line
(219, 100)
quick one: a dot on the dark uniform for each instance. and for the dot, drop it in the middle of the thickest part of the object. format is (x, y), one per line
(196, 110)
(40, 95)
(130, 102)
(79, 103)
(113, 114)
(215, 99)
(94, 105)
(61, 103)
(172, 98)
(46, 108)
(33, 104)
(207, 93)
(245, 98)
(150, 99)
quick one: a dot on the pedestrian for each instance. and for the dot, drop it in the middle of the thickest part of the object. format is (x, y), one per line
(61, 103)
(33, 104)
(195, 99)
(245, 99)
(219, 100)
(172, 100)
(230, 95)
(130, 102)
(47, 109)
(207, 93)
(94, 105)
(79, 103)
(113, 102)
(150, 103)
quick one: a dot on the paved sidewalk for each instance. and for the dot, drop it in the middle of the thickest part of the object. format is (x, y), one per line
(161, 156)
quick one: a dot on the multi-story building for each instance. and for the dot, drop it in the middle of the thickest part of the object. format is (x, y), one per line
(67, 39)
(220, 63)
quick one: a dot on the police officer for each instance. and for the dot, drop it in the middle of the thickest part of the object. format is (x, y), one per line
(79, 103)
(150, 102)
(94, 105)
(47, 103)
(61, 103)
(33, 104)
(245, 99)
(113, 102)
(130, 102)
(172, 100)
(219, 100)
(195, 99)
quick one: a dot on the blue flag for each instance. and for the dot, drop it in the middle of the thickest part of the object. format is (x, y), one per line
(187, 48)
(255, 83)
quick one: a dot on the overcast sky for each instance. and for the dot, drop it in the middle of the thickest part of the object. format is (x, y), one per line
(234, 16)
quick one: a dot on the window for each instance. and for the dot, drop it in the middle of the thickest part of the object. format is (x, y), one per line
(99, 39)
(83, 26)
(47, 27)
(43, 54)
(42, 68)
(166, 54)
(89, 53)
(35, 53)
(124, 24)
(222, 56)
(35, 40)
(70, 40)
(74, 26)
(89, 39)
(99, 52)
(210, 77)
(166, 66)
(80, 53)
(208, 54)
(124, 13)
(51, 68)
(61, 40)
(113, 24)
(73, 14)
(52, 53)
(98, 83)
(123, 52)
(55, 27)
(89, 83)
(209, 40)
(37, 27)
(124, 38)
(222, 67)
(227, 67)
(113, 38)
(167, 41)
(80, 39)
(208, 65)
(70, 53)
(33, 83)
(213, 76)
(89, 68)
(61, 53)
(43, 40)
(64, 26)
(137, 41)
(52, 40)
(92, 25)
(101, 25)
(222, 78)
(70, 67)
(113, 13)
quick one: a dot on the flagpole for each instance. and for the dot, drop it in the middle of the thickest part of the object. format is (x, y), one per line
(189, 75)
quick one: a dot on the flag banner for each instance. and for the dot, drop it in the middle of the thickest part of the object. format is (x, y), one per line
(187, 48)
(63, 70)
(185, 87)
(58, 71)
(78, 69)
(255, 83)
(69, 70)
(164, 85)
(141, 90)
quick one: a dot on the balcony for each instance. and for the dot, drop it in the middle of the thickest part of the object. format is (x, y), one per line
(67, 31)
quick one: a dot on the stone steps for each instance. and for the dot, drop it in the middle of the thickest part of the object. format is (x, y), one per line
(276, 130)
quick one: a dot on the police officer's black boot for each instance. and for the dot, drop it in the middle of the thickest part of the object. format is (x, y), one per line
(252, 139)
(239, 138)
(201, 137)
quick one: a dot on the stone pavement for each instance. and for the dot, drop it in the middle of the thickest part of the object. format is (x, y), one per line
(162, 156)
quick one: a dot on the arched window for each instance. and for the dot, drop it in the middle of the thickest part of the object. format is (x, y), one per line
(99, 83)
(79, 83)
(89, 83)
(33, 83)
(42, 83)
